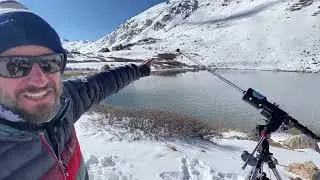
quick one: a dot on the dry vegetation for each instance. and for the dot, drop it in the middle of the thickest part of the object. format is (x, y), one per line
(155, 123)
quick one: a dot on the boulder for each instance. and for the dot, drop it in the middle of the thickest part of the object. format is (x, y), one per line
(307, 170)
(301, 141)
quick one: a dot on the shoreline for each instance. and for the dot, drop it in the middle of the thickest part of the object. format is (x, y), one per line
(176, 71)
(173, 118)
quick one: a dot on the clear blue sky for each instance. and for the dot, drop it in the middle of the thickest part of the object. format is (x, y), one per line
(87, 19)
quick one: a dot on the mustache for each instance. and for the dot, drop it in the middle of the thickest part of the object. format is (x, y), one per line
(33, 89)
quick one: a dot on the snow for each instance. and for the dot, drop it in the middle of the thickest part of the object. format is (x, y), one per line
(230, 134)
(138, 53)
(109, 157)
(90, 65)
(82, 58)
(279, 137)
(93, 65)
(75, 45)
(244, 34)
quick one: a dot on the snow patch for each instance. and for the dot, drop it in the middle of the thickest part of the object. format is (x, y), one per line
(279, 137)
(106, 168)
(231, 134)
(195, 169)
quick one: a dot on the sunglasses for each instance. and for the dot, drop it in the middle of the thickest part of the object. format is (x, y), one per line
(19, 66)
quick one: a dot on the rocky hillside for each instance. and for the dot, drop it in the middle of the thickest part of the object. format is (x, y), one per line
(242, 34)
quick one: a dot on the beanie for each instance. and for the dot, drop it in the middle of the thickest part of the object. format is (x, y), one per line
(20, 26)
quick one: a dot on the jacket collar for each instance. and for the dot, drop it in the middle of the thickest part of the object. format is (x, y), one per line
(9, 115)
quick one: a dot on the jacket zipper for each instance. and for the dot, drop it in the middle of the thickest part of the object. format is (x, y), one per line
(57, 158)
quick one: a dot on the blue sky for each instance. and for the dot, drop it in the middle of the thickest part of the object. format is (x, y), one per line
(87, 19)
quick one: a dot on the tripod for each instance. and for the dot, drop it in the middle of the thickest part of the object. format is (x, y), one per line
(264, 156)
(276, 118)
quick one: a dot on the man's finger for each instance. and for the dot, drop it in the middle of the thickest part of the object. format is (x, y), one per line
(148, 62)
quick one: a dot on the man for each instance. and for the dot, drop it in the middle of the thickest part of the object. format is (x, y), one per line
(37, 109)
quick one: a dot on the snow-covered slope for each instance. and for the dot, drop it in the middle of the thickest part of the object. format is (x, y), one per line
(74, 46)
(116, 154)
(243, 34)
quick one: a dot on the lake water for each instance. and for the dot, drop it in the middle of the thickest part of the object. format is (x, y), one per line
(203, 95)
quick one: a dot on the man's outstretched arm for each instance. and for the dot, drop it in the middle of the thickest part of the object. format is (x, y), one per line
(88, 91)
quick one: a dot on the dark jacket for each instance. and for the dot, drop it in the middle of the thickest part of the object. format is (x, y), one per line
(51, 150)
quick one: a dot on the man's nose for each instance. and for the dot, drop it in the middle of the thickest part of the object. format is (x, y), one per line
(37, 77)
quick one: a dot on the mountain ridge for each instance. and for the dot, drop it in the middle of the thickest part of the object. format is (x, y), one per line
(243, 34)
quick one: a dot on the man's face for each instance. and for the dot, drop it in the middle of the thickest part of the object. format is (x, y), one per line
(34, 96)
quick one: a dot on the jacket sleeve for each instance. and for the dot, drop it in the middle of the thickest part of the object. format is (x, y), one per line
(90, 90)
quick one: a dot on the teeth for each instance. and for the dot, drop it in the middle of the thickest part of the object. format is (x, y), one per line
(37, 94)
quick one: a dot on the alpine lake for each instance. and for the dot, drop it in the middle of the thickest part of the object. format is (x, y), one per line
(204, 96)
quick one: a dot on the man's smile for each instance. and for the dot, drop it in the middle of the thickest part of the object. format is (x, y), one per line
(37, 95)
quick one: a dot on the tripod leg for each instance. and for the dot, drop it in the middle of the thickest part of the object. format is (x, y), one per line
(272, 166)
(255, 171)
(276, 173)
(253, 174)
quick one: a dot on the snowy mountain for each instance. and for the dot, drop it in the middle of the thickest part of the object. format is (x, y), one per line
(74, 46)
(241, 34)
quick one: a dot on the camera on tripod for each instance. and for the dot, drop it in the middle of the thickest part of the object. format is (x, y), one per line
(276, 118)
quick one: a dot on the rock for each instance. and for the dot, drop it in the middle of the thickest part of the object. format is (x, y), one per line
(158, 25)
(105, 67)
(117, 48)
(148, 22)
(108, 161)
(105, 49)
(166, 17)
(69, 55)
(274, 144)
(92, 160)
(301, 142)
(167, 56)
(238, 137)
(212, 134)
(306, 170)
(121, 47)
(75, 52)
(173, 148)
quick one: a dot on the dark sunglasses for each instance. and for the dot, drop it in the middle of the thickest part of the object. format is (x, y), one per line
(19, 66)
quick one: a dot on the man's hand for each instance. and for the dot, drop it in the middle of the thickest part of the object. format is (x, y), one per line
(148, 62)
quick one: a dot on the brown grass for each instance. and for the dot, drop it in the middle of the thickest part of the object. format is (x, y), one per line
(156, 123)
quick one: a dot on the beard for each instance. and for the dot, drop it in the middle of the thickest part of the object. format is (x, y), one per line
(41, 112)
